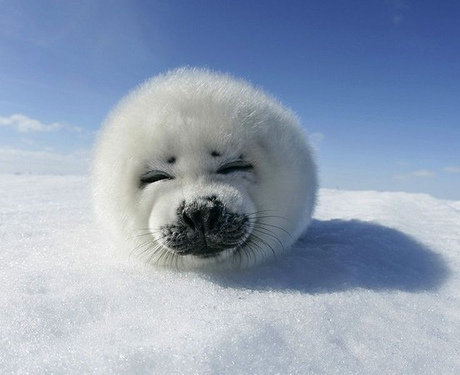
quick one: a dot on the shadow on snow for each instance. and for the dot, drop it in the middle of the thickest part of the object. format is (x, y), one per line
(338, 255)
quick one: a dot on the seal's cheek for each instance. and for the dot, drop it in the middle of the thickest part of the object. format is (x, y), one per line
(163, 209)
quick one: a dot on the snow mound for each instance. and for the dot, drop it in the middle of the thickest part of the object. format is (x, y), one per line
(372, 287)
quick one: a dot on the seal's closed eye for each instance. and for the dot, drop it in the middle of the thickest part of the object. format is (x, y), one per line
(154, 176)
(235, 166)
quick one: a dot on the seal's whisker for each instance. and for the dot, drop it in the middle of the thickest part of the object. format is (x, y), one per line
(257, 214)
(256, 247)
(265, 242)
(260, 231)
(261, 223)
(141, 246)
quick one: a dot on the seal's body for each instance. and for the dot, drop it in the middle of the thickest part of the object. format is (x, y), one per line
(196, 169)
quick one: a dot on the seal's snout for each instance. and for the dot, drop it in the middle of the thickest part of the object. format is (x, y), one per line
(205, 227)
(202, 217)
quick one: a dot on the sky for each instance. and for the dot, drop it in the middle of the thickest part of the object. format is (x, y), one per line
(375, 83)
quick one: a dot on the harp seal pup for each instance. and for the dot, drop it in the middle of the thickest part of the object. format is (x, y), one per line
(196, 169)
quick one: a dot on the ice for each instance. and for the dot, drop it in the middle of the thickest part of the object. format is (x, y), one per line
(373, 287)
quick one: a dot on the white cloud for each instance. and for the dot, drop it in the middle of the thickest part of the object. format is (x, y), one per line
(24, 124)
(420, 173)
(423, 173)
(400, 176)
(452, 169)
(43, 162)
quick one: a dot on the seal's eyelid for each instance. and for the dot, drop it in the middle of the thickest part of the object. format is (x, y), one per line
(154, 176)
(235, 166)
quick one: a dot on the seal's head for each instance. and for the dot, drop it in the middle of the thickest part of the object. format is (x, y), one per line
(196, 169)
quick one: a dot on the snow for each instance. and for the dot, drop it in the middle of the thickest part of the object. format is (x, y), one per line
(372, 288)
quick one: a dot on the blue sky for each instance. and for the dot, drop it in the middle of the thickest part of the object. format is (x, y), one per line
(376, 83)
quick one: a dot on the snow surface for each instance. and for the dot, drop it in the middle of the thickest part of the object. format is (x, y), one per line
(372, 288)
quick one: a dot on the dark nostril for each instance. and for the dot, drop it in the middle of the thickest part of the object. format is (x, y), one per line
(213, 217)
(195, 219)
(188, 220)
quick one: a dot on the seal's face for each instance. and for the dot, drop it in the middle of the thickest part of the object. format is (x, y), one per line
(198, 189)
(196, 169)
(206, 219)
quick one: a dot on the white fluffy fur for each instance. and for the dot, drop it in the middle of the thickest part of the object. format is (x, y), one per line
(187, 113)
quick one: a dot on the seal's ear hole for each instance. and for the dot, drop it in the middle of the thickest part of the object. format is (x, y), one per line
(171, 160)
(215, 154)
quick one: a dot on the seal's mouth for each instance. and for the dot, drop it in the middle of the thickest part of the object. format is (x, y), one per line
(203, 251)
(208, 249)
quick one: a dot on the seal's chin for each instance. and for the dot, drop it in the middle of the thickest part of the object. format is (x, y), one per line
(207, 254)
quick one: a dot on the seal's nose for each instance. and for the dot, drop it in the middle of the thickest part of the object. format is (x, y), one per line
(202, 217)
(205, 227)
